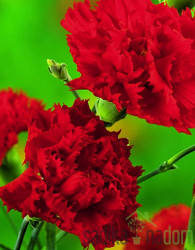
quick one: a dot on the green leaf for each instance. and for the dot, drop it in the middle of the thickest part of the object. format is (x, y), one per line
(190, 237)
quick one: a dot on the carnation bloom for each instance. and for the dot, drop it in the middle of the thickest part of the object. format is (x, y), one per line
(15, 111)
(169, 233)
(79, 176)
(137, 55)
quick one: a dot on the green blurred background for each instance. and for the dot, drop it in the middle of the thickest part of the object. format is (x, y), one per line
(30, 33)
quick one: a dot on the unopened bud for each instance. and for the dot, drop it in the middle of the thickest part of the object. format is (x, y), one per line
(58, 70)
(108, 112)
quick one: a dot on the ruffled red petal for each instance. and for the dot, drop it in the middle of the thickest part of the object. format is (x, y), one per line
(79, 176)
(16, 110)
(137, 55)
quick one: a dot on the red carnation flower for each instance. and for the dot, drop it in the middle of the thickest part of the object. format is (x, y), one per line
(169, 233)
(137, 55)
(79, 176)
(15, 111)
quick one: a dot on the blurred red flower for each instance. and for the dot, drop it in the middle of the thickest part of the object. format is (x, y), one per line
(137, 55)
(16, 109)
(79, 176)
(169, 233)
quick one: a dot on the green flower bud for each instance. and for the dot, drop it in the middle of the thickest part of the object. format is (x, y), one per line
(58, 70)
(108, 112)
(181, 4)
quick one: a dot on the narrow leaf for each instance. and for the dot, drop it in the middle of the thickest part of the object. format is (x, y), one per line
(51, 236)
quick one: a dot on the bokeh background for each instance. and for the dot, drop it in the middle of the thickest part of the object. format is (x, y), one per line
(30, 33)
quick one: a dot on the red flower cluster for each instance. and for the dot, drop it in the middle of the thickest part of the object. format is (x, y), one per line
(137, 55)
(168, 231)
(15, 111)
(79, 176)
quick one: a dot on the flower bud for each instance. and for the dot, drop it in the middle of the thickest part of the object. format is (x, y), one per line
(108, 112)
(58, 70)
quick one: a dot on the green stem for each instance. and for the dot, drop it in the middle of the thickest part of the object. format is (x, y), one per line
(190, 237)
(75, 93)
(21, 234)
(38, 243)
(34, 236)
(180, 155)
(59, 237)
(148, 176)
(167, 165)
(51, 236)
